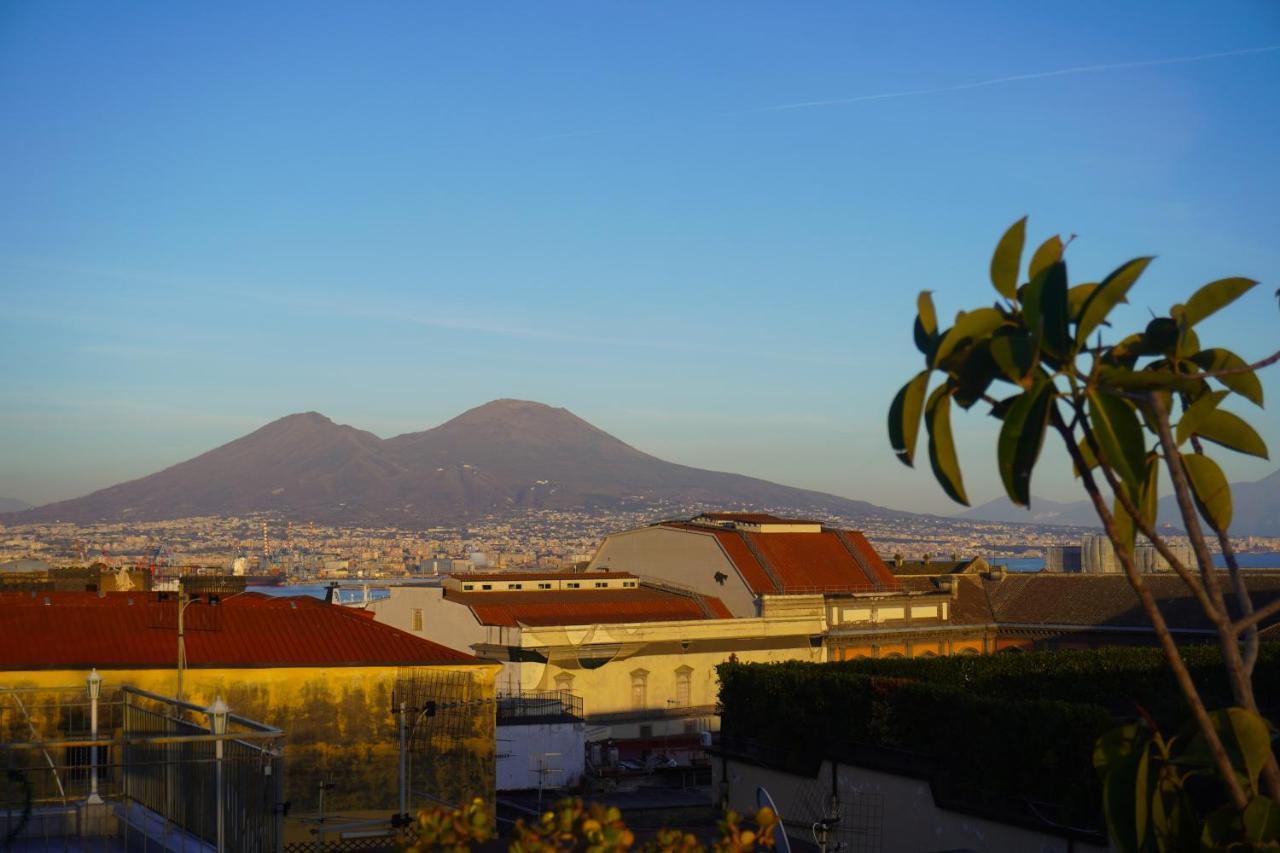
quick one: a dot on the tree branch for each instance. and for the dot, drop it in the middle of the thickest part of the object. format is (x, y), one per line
(1256, 616)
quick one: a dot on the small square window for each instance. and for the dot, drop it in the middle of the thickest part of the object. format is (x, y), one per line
(515, 586)
(468, 587)
(602, 584)
(544, 586)
(573, 585)
(486, 586)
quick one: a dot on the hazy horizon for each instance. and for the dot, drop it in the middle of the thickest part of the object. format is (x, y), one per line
(701, 229)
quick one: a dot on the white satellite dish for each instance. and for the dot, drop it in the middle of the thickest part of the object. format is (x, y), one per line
(780, 841)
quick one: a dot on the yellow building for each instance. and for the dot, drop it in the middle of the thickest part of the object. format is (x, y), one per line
(323, 674)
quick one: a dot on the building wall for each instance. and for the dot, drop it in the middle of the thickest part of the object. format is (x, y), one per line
(551, 754)
(443, 622)
(337, 722)
(900, 809)
(679, 556)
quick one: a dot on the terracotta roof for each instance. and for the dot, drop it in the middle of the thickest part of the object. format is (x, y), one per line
(537, 576)
(121, 630)
(589, 606)
(830, 561)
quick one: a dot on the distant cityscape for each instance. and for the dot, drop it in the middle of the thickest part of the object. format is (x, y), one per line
(265, 544)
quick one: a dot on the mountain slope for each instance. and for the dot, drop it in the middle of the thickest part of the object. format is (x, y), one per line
(504, 456)
(1256, 510)
(13, 505)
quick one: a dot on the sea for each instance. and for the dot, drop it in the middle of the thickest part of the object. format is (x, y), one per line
(1258, 560)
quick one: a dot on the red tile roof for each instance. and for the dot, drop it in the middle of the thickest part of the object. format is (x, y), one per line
(589, 606)
(120, 630)
(538, 576)
(830, 561)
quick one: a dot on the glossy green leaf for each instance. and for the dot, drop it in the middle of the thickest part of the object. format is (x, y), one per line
(1149, 497)
(1246, 385)
(1252, 738)
(1007, 259)
(1262, 820)
(904, 417)
(1015, 355)
(925, 342)
(1050, 252)
(928, 316)
(1086, 452)
(1213, 297)
(1232, 432)
(1111, 292)
(1119, 434)
(1021, 438)
(970, 325)
(1077, 296)
(1045, 307)
(1196, 413)
(1209, 488)
(975, 374)
(1126, 530)
(1126, 379)
(1188, 343)
(1142, 795)
(942, 449)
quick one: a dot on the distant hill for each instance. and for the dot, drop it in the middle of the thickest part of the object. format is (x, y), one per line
(1256, 510)
(506, 455)
(13, 505)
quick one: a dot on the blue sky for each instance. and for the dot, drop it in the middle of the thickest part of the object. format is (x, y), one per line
(212, 216)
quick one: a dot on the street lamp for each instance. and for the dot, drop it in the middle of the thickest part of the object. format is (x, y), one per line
(94, 683)
(218, 713)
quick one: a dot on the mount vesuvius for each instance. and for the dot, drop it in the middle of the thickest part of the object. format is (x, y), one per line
(504, 456)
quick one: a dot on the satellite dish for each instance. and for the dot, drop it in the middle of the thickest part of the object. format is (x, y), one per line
(780, 841)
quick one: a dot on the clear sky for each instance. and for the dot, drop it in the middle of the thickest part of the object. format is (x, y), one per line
(700, 226)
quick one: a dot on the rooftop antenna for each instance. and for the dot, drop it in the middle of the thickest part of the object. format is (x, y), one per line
(780, 841)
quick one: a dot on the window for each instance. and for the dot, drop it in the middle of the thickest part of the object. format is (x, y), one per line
(564, 681)
(602, 584)
(639, 688)
(573, 585)
(467, 587)
(684, 683)
(417, 618)
(629, 583)
(544, 586)
(515, 586)
(486, 586)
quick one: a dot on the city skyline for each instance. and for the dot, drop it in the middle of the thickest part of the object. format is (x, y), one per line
(700, 229)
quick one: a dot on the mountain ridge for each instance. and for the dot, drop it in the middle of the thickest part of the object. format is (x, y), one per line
(505, 455)
(1256, 510)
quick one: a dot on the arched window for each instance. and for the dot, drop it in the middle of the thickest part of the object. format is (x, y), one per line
(684, 686)
(639, 688)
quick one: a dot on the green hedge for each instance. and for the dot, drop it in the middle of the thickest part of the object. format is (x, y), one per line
(984, 748)
(1116, 678)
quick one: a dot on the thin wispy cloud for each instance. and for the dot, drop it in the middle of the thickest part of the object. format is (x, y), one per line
(1015, 78)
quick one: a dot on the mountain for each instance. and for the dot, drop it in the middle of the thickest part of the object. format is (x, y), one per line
(1256, 510)
(13, 505)
(504, 456)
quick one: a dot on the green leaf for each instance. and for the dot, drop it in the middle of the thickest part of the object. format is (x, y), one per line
(904, 417)
(1149, 499)
(1077, 296)
(1126, 531)
(1116, 756)
(1262, 820)
(1244, 384)
(1021, 437)
(1008, 259)
(1214, 296)
(942, 449)
(928, 316)
(1119, 434)
(1196, 412)
(1209, 488)
(1125, 379)
(1050, 252)
(1141, 795)
(1015, 355)
(1110, 293)
(975, 374)
(1045, 307)
(1232, 432)
(1086, 452)
(970, 325)
(1252, 737)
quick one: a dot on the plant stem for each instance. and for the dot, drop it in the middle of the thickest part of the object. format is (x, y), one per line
(1176, 663)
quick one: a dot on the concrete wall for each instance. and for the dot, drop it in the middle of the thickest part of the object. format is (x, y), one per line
(554, 752)
(688, 558)
(899, 808)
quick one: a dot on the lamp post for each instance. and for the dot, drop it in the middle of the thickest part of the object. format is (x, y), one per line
(94, 683)
(218, 713)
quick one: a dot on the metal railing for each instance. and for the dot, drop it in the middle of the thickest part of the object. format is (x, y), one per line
(129, 769)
